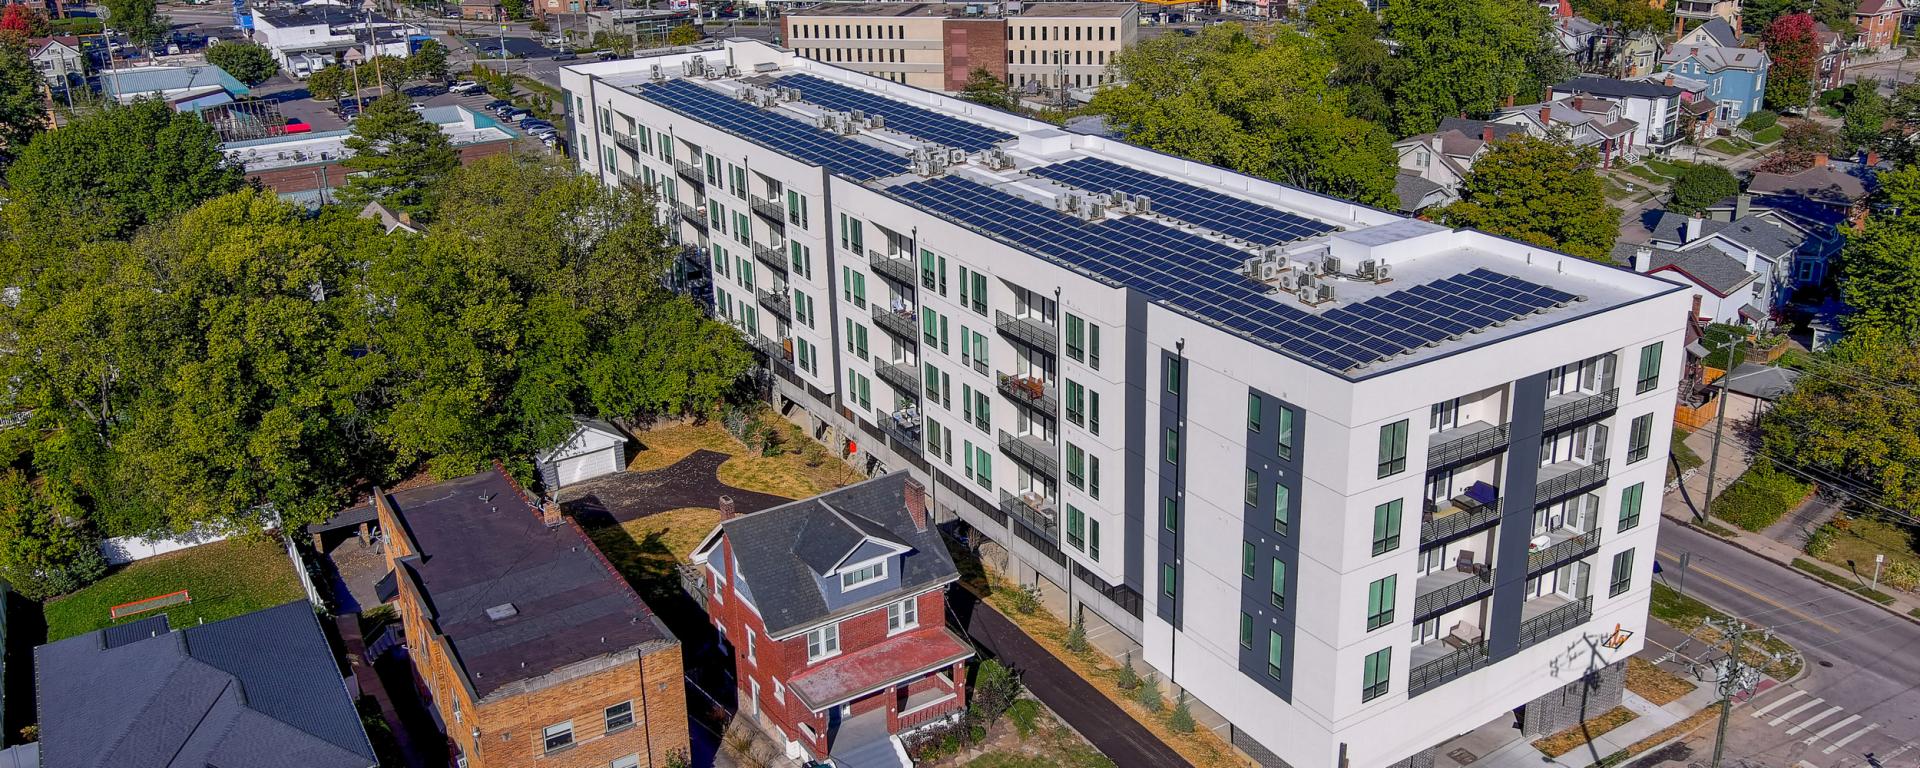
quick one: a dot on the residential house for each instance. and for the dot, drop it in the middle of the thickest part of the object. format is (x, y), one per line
(1741, 270)
(1654, 107)
(1736, 77)
(187, 89)
(835, 610)
(1830, 70)
(58, 58)
(258, 689)
(1585, 121)
(1828, 193)
(1432, 165)
(531, 649)
(1600, 49)
(1717, 32)
(1696, 10)
(1698, 113)
(1878, 22)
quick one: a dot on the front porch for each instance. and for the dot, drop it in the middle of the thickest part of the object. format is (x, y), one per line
(895, 686)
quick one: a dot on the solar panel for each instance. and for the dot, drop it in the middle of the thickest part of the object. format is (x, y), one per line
(900, 116)
(779, 132)
(1201, 276)
(1216, 211)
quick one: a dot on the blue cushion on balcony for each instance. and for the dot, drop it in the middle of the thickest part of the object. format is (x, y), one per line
(1483, 493)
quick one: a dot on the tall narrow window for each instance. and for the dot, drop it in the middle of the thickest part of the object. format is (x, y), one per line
(1169, 515)
(1173, 446)
(1278, 591)
(1281, 517)
(1393, 448)
(1376, 675)
(1622, 574)
(1380, 597)
(1246, 559)
(1630, 506)
(1253, 413)
(1640, 438)
(1253, 488)
(1649, 368)
(1166, 580)
(1246, 630)
(1386, 527)
(1276, 651)
(1076, 337)
(1076, 527)
(1283, 443)
(1093, 539)
(1173, 377)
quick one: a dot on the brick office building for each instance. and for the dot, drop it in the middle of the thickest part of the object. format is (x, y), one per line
(936, 45)
(531, 647)
(835, 608)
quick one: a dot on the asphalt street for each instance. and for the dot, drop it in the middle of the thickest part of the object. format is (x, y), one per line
(1860, 695)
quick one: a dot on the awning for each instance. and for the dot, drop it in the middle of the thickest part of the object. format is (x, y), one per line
(1753, 313)
(1766, 382)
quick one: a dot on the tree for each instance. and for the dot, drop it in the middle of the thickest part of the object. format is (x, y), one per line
(137, 19)
(514, 9)
(1854, 419)
(1759, 14)
(1351, 33)
(1468, 56)
(398, 157)
(20, 20)
(42, 554)
(22, 115)
(1258, 101)
(1864, 121)
(987, 89)
(1539, 191)
(1800, 143)
(1626, 15)
(390, 71)
(428, 62)
(330, 83)
(621, 45)
(1837, 15)
(1879, 269)
(1181, 720)
(247, 62)
(1700, 185)
(1795, 52)
(684, 34)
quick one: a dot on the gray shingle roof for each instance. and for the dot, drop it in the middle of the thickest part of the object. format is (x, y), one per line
(1619, 89)
(260, 689)
(1413, 191)
(1762, 235)
(773, 549)
(1720, 32)
(1716, 58)
(1822, 184)
(1715, 270)
(1671, 227)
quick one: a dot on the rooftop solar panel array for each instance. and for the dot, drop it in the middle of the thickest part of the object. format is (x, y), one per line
(1219, 212)
(900, 116)
(1201, 277)
(784, 134)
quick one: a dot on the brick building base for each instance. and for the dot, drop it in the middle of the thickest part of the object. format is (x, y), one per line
(1574, 702)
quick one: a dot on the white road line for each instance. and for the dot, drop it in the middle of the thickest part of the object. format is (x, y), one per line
(1810, 721)
(1850, 737)
(1796, 710)
(1830, 729)
(1775, 704)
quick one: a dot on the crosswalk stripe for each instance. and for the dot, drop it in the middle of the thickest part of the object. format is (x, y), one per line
(1796, 710)
(1850, 737)
(1775, 704)
(1811, 720)
(1830, 729)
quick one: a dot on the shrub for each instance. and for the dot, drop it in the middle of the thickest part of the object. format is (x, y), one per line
(1181, 721)
(1760, 120)
(1820, 541)
(1901, 575)
(1701, 185)
(1149, 693)
(1025, 599)
(1759, 497)
(1025, 715)
(1077, 635)
(995, 687)
(1128, 679)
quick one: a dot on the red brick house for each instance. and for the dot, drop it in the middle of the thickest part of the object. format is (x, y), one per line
(834, 610)
(1878, 22)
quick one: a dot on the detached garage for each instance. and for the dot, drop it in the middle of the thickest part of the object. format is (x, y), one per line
(595, 448)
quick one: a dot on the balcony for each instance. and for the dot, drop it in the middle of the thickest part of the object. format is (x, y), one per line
(1032, 450)
(1473, 440)
(772, 257)
(903, 426)
(1576, 407)
(1458, 517)
(1439, 661)
(773, 212)
(691, 173)
(1026, 330)
(897, 322)
(695, 216)
(1559, 547)
(626, 142)
(780, 351)
(777, 302)
(630, 181)
(1033, 510)
(1442, 591)
(1548, 615)
(1030, 391)
(904, 377)
(899, 269)
(1566, 478)
(1694, 10)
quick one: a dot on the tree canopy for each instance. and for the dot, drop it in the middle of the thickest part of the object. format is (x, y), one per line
(684, 34)
(247, 62)
(22, 115)
(1853, 421)
(1365, 67)
(330, 82)
(1879, 269)
(398, 157)
(1259, 101)
(428, 62)
(139, 20)
(985, 88)
(1468, 57)
(1538, 191)
(1795, 52)
(1700, 185)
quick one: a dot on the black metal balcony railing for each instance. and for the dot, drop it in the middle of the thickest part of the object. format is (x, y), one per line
(1555, 621)
(775, 350)
(691, 173)
(1461, 523)
(899, 323)
(772, 257)
(626, 142)
(777, 302)
(1032, 451)
(904, 377)
(630, 181)
(1576, 481)
(1026, 330)
(1430, 675)
(695, 216)
(1451, 596)
(1029, 391)
(902, 426)
(1038, 514)
(773, 212)
(896, 268)
(1562, 553)
(1466, 447)
(1590, 407)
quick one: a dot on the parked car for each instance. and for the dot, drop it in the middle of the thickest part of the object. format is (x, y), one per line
(516, 114)
(496, 105)
(533, 124)
(296, 125)
(465, 86)
(541, 132)
(566, 56)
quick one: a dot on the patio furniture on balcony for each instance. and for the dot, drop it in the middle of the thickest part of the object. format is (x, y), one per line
(777, 302)
(1559, 547)
(1475, 510)
(903, 426)
(1442, 591)
(1030, 391)
(695, 216)
(1036, 511)
(899, 322)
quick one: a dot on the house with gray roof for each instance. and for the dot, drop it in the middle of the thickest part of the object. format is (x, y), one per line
(1736, 77)
(1432, 165)
(260, 689)
(1741, 270)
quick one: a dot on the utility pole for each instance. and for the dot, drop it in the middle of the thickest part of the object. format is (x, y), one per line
(1735, 677)
(1719, 427)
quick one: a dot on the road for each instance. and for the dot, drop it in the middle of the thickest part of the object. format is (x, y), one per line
(1861, 694)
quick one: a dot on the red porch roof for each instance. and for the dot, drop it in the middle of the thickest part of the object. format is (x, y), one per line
(898, 658)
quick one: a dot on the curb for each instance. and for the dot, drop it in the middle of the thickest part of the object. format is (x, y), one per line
(1802, 574)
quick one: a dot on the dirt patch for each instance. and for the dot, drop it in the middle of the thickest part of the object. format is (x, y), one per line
(692, 481)
(1578, 736)
(782, 462)
(1654, 684)
(1048, 745)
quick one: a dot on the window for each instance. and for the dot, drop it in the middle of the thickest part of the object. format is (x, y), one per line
(1373, 680)
(1649, 368)
(1253, 488)
(973, 290)
(1173, 446)
(850, 235)
(1076, 527)
(823, 642)
(1253, 413)
(750, 656)
(1076, 403)
(1640, 438)
(1246, 630)
(1393, 448)
(1283, 444)
(619, 716)
(1276, 649)
(1630, 506)
(633, 760)
(1173, 377)
(933, 271)
(1380, 595)
(558, 736)
(1280, 513)
(1166, 580)
(1169, 515)
(1076, 338)
(1246, 559)
(802, 259)
(796, 209)
(1279, 585)
(1093, 476)
(1093, 412)
(1386, 527)
(903, 615)
(1622, 573)
(1093, 346)
(863, 574)
(1093, 540)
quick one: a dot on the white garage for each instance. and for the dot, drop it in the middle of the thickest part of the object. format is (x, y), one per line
(595, 448)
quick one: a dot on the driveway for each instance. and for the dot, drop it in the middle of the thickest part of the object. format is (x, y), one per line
(690, 482)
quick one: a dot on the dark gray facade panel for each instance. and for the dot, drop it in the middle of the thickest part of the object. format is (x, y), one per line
(1172, 546)
(1256, 593)
(1516, 515)
(1135, 504)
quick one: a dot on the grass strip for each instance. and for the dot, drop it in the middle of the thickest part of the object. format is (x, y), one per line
(1842, 582)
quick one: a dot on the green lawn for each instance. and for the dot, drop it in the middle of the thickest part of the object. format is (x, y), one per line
(1853, 547)
(1688, 615)
(1769, 134)
(1646, 173)
(225, 579)
(1724, 147)
(1664, 168)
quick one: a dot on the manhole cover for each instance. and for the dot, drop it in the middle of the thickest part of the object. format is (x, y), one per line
(1825, 663)
(1462, 756)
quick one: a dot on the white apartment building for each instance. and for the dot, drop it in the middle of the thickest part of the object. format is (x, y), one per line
(1358, 483)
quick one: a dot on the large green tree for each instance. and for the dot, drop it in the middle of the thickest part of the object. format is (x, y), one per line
(330, 82)
(139, 20)
(1259, 101)
(398, 157)
(1879, 270)
(43, 554)
(1468, 57)
(22, 113)
(1363, 64)
(428, 62)
(1538, 191)
(1700, 185)
(1853, 421)
(247, 62)
(985, 88)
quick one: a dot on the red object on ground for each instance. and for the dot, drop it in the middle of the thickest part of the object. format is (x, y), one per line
(151, 603)
(295, 126)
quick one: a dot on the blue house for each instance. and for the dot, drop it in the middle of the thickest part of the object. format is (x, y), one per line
(1736, 77)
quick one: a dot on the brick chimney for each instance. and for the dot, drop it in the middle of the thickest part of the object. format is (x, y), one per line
(1579, 104)
(1486, 134)
(1819, 159)
(726, 507)
(1669, 79)
(550, 512)
(1873, 158)
(916, 500)
(1546, 114)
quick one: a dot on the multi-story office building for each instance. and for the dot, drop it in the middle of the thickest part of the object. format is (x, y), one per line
(937, 45)
(1357, 482)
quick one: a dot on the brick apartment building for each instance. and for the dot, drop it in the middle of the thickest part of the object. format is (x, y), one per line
(834, 608)
(936, 45)
(530, 646)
